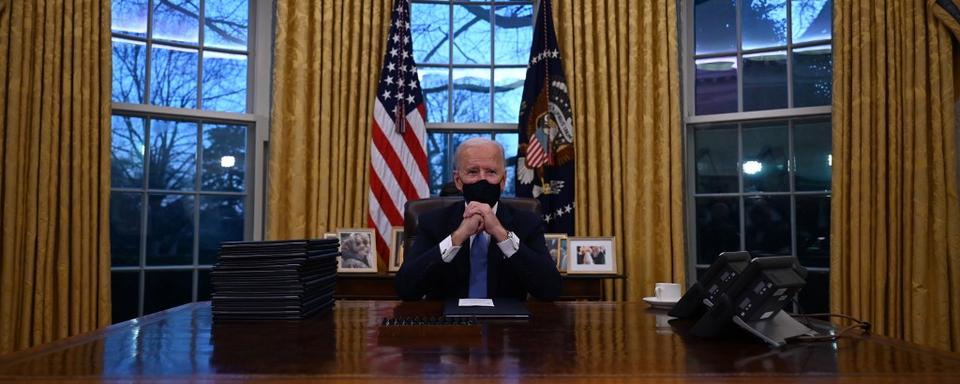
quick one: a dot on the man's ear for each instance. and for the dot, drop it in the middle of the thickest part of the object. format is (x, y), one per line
(457, 180)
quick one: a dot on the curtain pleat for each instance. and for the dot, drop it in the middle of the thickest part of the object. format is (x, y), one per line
(55, 182)
(620, 59)
(895, 253)
(327, 58)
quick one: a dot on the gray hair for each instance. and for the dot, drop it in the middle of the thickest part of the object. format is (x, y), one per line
(478, 142)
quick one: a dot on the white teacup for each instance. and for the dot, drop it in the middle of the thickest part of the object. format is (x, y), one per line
(667, 291)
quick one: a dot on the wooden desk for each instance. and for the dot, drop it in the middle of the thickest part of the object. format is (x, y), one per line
(381, 287)
(564, 342)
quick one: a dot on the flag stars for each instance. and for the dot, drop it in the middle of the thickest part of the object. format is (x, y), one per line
(393, 52)
(386, 95)
(390, 66)
(413, 84)
(544, 55)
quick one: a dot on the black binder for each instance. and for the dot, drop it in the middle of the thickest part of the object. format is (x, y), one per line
(503, 308)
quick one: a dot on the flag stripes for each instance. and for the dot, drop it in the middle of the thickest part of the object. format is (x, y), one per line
(398, 158)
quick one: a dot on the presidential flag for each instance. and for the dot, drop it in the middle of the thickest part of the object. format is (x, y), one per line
(398, 158)
(545, 164)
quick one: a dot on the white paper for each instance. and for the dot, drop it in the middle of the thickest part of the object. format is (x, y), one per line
(476, 302)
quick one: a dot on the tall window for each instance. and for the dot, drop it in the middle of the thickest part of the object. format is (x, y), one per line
(182, 148)
(472, 59)
(757, 116)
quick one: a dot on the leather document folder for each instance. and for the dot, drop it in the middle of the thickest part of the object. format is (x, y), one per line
(503, 308)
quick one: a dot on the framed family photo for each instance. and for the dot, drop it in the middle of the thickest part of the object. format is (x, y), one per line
(396, 249)
(357, 251)
(591, 255)
(557, 248)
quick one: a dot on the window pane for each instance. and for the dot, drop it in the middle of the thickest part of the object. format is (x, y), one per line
(767, 220)
(173, 153)
(204, 287)
(507, 93)
(812, 76)
(765, 151)
(124, 295)
(178, 22)
(471, 95)
(718, 227)
(129, 71)
(510, 142)
(125, 214)
(764, 23)
(811, 20)
(513, 34)
(173, 77)
(715, 24)
(716, 85)
(126, 152)
(226, 24)
(166, 289)
(813, 230)
(170, 230)
(716, 159)
(435, 83)
(765, 81)
(471, 40)
(224, 157)
(812, 142)
(221, 219)
(437, 155)
(430, 29)
(224, 82)
(129, 17)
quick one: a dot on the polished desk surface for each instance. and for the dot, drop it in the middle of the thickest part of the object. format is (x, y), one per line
(570, 341)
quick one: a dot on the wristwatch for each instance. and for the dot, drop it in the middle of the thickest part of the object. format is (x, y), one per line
(514, 240)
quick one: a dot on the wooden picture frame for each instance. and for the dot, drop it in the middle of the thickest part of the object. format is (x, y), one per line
(591, 255)
(396, 249)
(556, 247)
(358, 251)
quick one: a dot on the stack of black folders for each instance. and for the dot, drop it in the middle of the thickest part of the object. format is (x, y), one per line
(274, 280)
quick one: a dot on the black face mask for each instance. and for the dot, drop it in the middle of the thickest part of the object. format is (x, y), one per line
(482, 191)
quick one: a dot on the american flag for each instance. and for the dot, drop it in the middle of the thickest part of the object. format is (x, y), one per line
(398, 158)
(536, 156)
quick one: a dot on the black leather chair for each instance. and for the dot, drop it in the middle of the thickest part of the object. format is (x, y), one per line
(414, 208)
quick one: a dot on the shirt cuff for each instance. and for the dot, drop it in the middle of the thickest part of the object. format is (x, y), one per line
(447, 250)
(510, 245)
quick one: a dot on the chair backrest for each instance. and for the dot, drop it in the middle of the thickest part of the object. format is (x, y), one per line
(414, 208)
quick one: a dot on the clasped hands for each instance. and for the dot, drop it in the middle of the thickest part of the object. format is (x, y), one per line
(478, 217)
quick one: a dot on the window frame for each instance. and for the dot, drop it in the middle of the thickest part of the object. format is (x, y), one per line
(789, 115)
(256, 119)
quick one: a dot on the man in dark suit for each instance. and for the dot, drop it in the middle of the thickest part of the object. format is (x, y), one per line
(479, 248)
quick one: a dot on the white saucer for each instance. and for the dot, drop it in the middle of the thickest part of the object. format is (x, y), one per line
(661, 304)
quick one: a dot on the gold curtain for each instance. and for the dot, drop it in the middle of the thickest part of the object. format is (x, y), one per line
(327, 58)
(895, 254)
(55, 182)
(621, 65)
